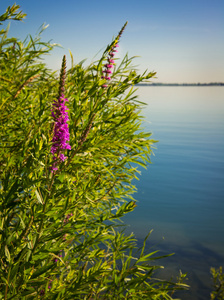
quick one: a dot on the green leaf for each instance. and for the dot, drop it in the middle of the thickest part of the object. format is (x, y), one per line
(7, 254)
(42, 270)
(14, 271)
(39, 197)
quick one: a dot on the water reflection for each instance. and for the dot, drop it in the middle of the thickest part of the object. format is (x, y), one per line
(181, 195)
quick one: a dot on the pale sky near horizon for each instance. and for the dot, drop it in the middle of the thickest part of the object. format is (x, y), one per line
(183, 41)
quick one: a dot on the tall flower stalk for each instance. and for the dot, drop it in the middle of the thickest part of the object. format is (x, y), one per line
(60, 130)
(108, 67)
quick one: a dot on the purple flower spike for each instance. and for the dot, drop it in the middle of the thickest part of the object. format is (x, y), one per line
(62, 157)
(61, 131)
(108, 66)
(107, 71)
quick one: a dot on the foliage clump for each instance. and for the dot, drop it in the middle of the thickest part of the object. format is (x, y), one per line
(218, 284)
(59, 227)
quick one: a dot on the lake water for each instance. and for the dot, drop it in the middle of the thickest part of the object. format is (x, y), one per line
(181, 194)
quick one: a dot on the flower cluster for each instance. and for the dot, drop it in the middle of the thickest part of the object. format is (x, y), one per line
(109, 65)
(110, 59)
(61, 131)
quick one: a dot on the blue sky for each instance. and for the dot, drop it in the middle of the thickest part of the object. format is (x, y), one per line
(183, 41)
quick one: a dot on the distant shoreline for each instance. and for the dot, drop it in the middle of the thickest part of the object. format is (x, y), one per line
(182, 84)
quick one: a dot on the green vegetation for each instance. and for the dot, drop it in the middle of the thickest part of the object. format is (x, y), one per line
(218, 283)
(63, 193)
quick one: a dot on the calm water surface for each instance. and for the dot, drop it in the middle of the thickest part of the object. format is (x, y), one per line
(181, 194)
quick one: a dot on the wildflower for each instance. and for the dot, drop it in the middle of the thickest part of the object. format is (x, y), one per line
(108, 66)
(110, 61)
(107, 71)
(111, 54)
(61, 131)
